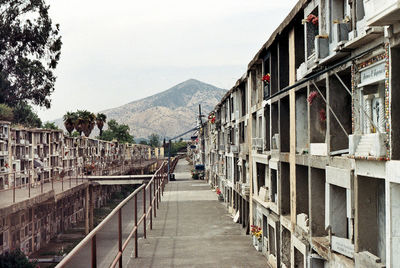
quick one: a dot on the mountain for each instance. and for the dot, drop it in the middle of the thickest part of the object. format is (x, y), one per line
(168, 113)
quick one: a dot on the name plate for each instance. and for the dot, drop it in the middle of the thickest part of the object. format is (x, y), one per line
(343, 246)
(373, 73)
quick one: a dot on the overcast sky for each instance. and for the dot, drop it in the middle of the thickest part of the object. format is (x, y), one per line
(119, 51)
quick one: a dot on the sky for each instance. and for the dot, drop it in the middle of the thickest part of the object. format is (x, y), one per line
(116, 53)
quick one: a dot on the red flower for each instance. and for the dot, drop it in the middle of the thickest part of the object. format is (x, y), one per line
(313, 19)
(322, 115)
(267, 78)
(312, 96)
(6, 165)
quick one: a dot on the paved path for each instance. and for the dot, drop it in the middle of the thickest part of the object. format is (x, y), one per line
(193, 229)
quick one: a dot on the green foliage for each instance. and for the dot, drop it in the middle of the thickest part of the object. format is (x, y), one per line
(15, 259)
(30, 48)
(6, 113)
(24, 115)
(50, 125)
(75, 134)
(177, 146)
(69, 121)
(81, 120)
(119, 132)
(100, 120)
(154, 140)
(143, 142)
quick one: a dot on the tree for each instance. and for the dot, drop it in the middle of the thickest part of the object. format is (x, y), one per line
(69, 121)
(6, 113)
(30, 48)
(143, 142)
(100, 120)
(154, 140)
(50, 125)
(15, 259)
(86, 122)
(24, 115)
(119, 132)
(75, 134)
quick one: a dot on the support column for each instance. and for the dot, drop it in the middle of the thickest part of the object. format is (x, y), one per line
(292, 113)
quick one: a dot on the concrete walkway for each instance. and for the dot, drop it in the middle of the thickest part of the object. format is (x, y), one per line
(193, 229)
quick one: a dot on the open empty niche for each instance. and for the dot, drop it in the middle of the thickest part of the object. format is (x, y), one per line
(284, 125)
(301, 189)
(284, 61)
(265, 231)
(274, 69)
(285, 188)
(371, 216)
(299, 42)
(272, 240)
(317, 202)
(340, 103)
(395, 107)
(253, 87)
(274, 126)
(317, 113)
(274, 185)
(301, 121)
(267, 133)
(260, 176)
(286, 246)
(337, 211)
(298, 258)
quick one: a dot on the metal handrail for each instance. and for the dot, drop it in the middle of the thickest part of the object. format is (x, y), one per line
(158, 182)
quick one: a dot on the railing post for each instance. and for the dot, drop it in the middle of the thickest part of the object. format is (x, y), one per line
(14, 189)
(94, 258)
(144, 212)
(151, 209)
(41, 185)
(136, 232)
(120, 235)
(29, 182)
(154, 197)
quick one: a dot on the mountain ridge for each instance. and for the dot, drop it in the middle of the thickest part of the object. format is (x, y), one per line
(168, 113)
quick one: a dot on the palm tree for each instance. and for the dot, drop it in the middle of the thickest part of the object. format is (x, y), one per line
(69, 121)
(87, 121)
(79, 121)
(100, 120)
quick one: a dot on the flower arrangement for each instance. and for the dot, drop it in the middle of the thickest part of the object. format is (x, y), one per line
(220, 195)
(256, 232)
(311, 19)
(322, 115)
(312, 96)
(211, 117)
(266, 78)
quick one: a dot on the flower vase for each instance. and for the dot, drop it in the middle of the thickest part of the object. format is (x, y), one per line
(259, 246)
(255, 241)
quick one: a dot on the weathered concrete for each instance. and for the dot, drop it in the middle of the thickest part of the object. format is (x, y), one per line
(193, 229)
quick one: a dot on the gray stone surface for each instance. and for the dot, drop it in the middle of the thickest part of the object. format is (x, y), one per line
(193, 229)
